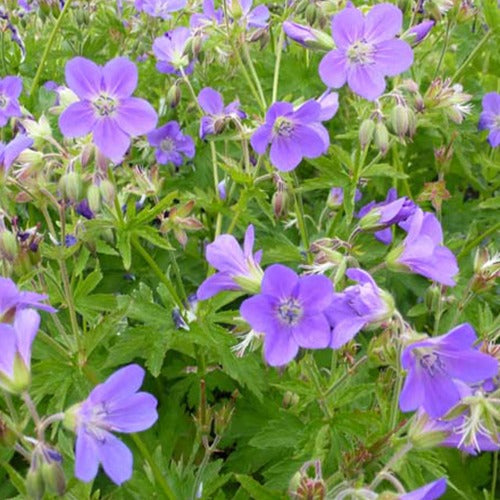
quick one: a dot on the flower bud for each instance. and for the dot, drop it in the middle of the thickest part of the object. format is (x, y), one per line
(399, 119)
(412, 122)
(70, 185)
(280, 202)
(366, 132)
(87, 153)
(311, 13)
(419, 32)
(107, 191)
(174, 95)
(308, 37)
(53, 478)
(94, 197)
(9, 247)
(7, 436)
(381, 138)
(34, 484)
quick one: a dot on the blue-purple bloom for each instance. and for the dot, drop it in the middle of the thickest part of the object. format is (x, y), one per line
(106, 107)
(83, 209)
(171, 52)
(357, 307)
(10, 90)
(10, 151)
(430, 491)
(490, 118)
(237, 268)
(380, 216)
(210, 15)
(308, 37)
(336, 196)
(423, 252)
(435, 367)
(217, 115)
(171, 144)
(418, 32)
(367, 50)
(15, 354)
(113, 406)
(160, 8)
(290, 312)
(329, 102)
(12, 300)
(293, 134)
(253, 18)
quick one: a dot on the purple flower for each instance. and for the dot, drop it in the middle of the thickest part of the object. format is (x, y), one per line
(238, 268)
(160, 8)
(170, 50)
(113, 406)
(430, 491)
(381, 215)
(253, 18)
(221, 188)
(9, 152)
(83, 209)
(171, 144)
(106, 107)
(423, 252)
(357, 307)
(15, 355)
(490, 118)
(12, 300)
(418, 32)
(336, 197)
(10, 90)
(329, 102)
(217, 115)
(290, 311)
(293, 135)
(367, 50)
(435, 367)
(300, 33)
(209, 16)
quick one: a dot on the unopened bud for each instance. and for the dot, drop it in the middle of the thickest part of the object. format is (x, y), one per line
(70, 185)
(53, 478)
(107, 191)
(381, 138)
(280, 202)
(174, 95)
(399, 119)
(311, 13)
(94, 197)
(366, 132)
(9, 247)
(7, 436)
(35, 487)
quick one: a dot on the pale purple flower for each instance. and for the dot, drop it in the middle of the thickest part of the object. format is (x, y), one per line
(15, 354)
(392, 210)
(106, 107)
(217, 115)
(113, 406)
(290, 312)
(293, 134)
(367, 50)
(253, 18)
(171, 51)
(160, 8)
(430, 491)
(418, 32)
(13, 300)
(235, 266)
(171, 144)
(221, 188)
(210, 15)
(357, 307)
(329, 102)
(435, 367)
(10, 90)
(423, 252)
(10, 151)
(490, 118)
(336, 196)
(299, 33)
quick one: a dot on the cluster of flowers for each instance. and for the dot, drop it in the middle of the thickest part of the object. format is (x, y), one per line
(113, 406)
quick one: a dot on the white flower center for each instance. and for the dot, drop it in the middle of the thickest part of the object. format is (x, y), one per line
(360, 52)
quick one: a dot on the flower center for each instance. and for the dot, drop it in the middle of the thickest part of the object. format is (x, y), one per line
(290, 311)
(167, 145)
(283, 127)
(430, 361)
(104, 105)
(360, 52)
(496, 121)
(3, 101)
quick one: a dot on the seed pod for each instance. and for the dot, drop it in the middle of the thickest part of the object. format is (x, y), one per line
(94, 197)
(399, 119)
(70, 185)
(174, 95)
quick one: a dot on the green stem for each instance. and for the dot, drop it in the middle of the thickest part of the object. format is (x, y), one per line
(346, 375)
(158, 474)
(494, 476)
(478, 240)
(2, 46)
(155, 268)
(277, 64)
(472, 55)
(392, 462)
(445, 47)
(248, 57)
(48, 46)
